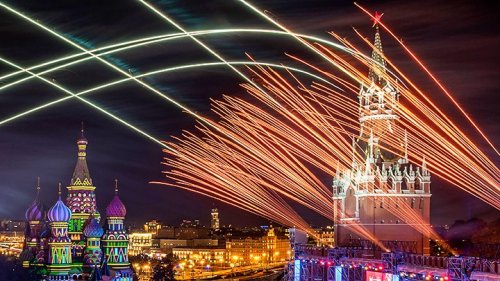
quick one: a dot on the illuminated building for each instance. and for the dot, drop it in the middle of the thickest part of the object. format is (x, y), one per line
(385, 179)
(68, 242)
(59, 256)
(208, 255)
(152, 226)
(326, 237)
(11, 242)
(215, 219)
(269, 248)
(139, 243)
(115, 240)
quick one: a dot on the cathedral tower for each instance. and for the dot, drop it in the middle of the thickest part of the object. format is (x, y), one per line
(60, 258)
(34, 216)
(81, 199)
(115, 240)
(93, 253)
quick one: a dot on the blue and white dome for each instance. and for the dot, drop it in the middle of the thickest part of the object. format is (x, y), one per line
(59, 212)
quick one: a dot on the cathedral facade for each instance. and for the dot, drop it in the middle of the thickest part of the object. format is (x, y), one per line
(382, 192)
(67, 242)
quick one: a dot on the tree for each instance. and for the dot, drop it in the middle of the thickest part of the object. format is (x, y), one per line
(164, 270)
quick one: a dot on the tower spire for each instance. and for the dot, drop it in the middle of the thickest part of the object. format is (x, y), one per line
(116, 186)
(38, 185)
(378, 62)
(81, 175)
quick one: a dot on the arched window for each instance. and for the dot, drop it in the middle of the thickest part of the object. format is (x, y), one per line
(404, 184)
(390, 183)
(418, 184)
(350, 203)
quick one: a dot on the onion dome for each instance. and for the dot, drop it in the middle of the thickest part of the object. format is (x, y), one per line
(35, 211)
(93, 229)
(116, 207)
(59, 212)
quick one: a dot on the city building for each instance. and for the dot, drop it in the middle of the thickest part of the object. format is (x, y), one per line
(11, 242)
(326, 237)
(68, 242)
(13, 225)
(166, 246)
(265, 249)
(152, 227)
(383, 180)
(211, 256)
(139, 243)
(215, 224)
(189, 230)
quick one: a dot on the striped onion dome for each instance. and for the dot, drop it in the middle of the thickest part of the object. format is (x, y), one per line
(116, 207)
(35, 211)
(59, 212)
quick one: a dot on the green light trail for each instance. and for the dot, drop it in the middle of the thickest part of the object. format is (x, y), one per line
(127, 124)
(164, 70)
(71, 43)
(141, 42)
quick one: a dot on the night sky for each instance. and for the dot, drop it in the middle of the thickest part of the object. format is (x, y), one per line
(459, 41)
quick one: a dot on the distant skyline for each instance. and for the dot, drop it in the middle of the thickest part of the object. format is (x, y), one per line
(458, 40)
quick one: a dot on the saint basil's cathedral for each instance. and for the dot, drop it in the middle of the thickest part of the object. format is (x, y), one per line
(67, 242)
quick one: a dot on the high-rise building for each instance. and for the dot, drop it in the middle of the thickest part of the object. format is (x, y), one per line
(215, 219)
(368, 193)
(65, 242)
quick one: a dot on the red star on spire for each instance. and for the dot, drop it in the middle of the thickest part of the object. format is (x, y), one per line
(376, 18)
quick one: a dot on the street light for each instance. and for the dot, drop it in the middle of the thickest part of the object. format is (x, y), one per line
(232, 267)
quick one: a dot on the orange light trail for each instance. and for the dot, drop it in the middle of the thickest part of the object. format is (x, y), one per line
(432, 76)
(312, 125)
